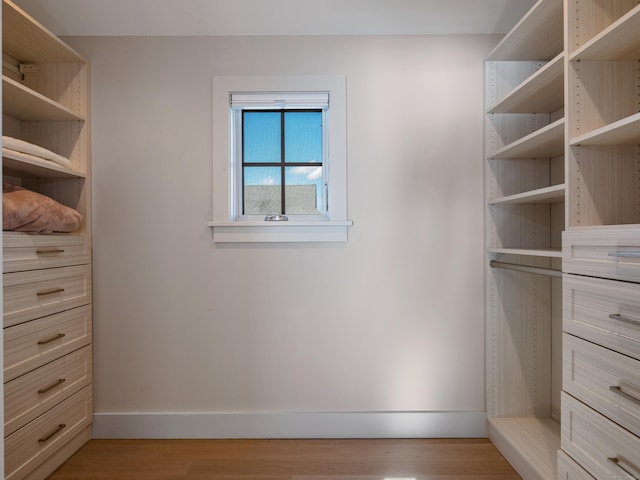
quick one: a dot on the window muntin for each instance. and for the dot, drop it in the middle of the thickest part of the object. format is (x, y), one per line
(282, 157)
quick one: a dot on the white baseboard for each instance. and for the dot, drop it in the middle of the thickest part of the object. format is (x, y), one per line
(291, 425)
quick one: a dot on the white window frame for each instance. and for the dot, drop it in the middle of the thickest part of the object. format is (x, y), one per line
(227, 225)
(286, 101)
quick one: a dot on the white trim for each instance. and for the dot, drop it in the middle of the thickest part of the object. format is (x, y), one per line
(253, 232)
(291, 425)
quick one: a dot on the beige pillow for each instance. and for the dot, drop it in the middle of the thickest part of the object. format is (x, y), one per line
(27, 211)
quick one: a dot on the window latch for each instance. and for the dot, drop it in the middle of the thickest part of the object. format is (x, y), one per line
(276, 218)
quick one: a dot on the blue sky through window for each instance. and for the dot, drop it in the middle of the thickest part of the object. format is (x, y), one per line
(303, 141)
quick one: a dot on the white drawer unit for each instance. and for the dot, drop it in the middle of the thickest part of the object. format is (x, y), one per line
(607, 381)
(21, 252)
(600, 425)
(32, 344)
(603, 311)
(608, 252)
(605, 449)
(34, 294)
(38, 440)
(30, 395)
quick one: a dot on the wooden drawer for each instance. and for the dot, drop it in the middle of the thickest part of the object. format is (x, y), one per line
(29, 345)
(606, 312)
(22, 251)
(30, 395)
(38, 440)
(609, 252)
(33, 294)
(603, 379)
(568, 469)
(603, 448)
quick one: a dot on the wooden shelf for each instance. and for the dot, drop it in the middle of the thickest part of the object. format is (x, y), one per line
(553, 194)
(547, 142)
(531, 252)
(538, 36)
(23, 103)
(620, 41)
(26, 40)
(35, 167)
(542, 92)
(622, 132)
(529, 444)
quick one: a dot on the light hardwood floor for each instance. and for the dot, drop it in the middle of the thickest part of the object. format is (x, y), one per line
(430, 459)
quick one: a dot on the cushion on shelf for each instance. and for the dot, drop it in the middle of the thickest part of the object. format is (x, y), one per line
(27, 211)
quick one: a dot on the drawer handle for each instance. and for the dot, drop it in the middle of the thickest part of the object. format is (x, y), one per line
(48, 437)
(49, 250)
(51, 291)
(630, 254)
(52, 339)
(625, 466)
(622, 318)
(618, 389)
(60, 381)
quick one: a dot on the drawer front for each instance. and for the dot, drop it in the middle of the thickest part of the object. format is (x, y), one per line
(30, 395)
(606, 312)
(568, 469)
(609, 252)
(29, 345)
(603, 448)
(22, 251)
(35, 442)
(603, 379)
(34, 294)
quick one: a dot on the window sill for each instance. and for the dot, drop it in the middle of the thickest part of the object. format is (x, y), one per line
(270, 232)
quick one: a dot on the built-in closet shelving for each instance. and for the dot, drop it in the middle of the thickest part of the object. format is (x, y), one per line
(563, 194)
(46, 278)
(601, 245)
(604, 127)
(525, 216)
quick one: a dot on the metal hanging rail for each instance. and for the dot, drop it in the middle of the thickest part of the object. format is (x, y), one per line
(526, 268)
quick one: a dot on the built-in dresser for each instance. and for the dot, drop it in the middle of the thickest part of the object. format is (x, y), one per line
(46, 278)
(563, 241)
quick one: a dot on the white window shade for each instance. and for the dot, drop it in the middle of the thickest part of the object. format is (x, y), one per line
(298, 100)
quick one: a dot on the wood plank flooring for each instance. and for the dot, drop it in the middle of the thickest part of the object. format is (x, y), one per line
(429, 459)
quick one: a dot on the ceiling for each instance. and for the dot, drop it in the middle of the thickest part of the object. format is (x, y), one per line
(276, 17)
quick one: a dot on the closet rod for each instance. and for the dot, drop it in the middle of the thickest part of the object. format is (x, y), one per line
(525, 268)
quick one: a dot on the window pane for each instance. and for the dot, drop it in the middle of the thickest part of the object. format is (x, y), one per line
(303, 190)
(261, 137)
(303, 136)
(262, 190)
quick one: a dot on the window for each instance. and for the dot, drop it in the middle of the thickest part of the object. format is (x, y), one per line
(280, 173)
(280, 153)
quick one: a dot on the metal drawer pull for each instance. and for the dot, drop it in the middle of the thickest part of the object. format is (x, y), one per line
(625, 254)
(52, 339)
(60, 381)
(50, 291)
(622, 318)
(618, 389)
(625, 466)
(58, 429)
(49, 250)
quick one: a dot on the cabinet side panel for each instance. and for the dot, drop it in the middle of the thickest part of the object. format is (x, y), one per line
(601, 93)
(587, 18)
(604, 185)
(518, 342)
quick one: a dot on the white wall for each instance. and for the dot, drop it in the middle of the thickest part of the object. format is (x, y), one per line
(391, 321)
